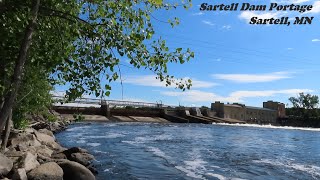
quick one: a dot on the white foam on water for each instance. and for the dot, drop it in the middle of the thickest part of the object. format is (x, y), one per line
(78, 128)
(106, 170)
(94, 137)
(102, 152)
(131, 142)
(109, 124)
(93, 144)
(217, 167)
(156, 151)
(142, 139)
(81, 141)
(218, 176)
(269, 126)
(189, 172)
(194, 168)
(77, 135)
(107, 136)
(114, 135)
(313, 170)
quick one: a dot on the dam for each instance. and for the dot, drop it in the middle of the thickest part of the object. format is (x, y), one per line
(129, 111)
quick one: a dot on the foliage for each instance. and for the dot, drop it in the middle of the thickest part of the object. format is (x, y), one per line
(204, 107)
(20, 122)
(129, 107)
(78, 42)
(305, 105)
(33, 98)
(49, 117)
(104, 35)
(78, 117)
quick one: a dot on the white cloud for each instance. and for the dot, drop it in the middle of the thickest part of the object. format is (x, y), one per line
(150, 80)
(315, 40)
(289, 49)
(290, 1)
(195, 96)
(227, 27)
(239, 95)
(191, 95)
(253, 78)
(198, 14)
(315, 8)
(207, 23)
(247, 15)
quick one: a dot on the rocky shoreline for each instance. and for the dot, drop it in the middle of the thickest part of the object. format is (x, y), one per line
(34, 154)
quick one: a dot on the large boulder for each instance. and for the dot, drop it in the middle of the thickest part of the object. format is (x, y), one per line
(44, 150)
(75, 171)
(82, 158)
(5, 165)
(56, 147)
(20, 174)
(47, 132)
(28, 161)
(72, 150)
(23, 140)
(47, 171)
(48, 141)
(14, 155)
(59, 155)
(44, 138)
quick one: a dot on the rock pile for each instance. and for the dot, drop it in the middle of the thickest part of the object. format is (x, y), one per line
(34, 154)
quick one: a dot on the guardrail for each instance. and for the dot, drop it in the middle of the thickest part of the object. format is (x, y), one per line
(112, 102)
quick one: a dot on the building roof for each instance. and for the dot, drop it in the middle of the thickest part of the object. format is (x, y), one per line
(259, 108)
(233, 105)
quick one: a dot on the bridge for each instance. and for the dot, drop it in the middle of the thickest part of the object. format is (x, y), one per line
(111, 103)
(131, 110)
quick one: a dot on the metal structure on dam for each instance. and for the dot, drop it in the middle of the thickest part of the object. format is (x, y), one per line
(113, 108)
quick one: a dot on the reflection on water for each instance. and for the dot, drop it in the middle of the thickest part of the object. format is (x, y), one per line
(197, 151)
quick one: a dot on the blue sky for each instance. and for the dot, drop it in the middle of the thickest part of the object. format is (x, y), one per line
(234, 61)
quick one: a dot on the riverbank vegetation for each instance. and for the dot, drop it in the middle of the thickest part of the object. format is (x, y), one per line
(304, 111)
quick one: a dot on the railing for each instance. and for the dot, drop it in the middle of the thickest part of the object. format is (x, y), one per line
(93, 101)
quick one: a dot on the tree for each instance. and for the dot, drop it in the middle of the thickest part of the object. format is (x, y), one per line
(79, 41)
(305, 104)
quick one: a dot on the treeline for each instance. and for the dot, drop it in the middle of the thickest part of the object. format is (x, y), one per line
(304, 111)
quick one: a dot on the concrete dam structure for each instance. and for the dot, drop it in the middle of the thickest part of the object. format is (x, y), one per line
(128, 111)
(107, 112)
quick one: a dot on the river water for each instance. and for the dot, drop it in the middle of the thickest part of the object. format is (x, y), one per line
(197, 151)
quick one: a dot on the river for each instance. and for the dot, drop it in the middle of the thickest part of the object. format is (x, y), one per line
(197, 151)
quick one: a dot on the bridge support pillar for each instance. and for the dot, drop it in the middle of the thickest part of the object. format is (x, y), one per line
(105, 110)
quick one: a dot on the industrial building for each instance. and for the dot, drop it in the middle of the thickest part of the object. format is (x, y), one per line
(270, 112)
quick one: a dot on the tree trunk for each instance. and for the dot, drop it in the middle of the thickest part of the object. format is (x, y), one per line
(6, 133)
(19, 66)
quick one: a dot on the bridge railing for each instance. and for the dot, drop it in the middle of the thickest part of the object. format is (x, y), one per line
(92, 101)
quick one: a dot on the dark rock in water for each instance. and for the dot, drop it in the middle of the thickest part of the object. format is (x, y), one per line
(75, 171)
(72, 150)
(92, 169)
(47, 171)
(5, 165)
(82, 158)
